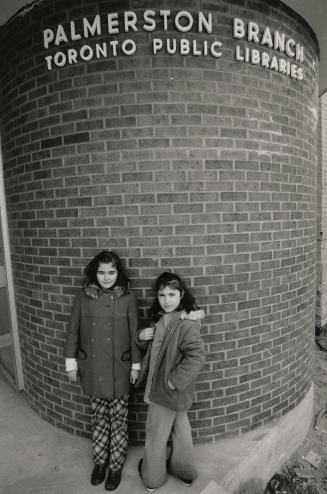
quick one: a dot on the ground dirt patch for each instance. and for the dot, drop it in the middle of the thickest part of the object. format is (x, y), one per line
(302, 475)
(298, 475)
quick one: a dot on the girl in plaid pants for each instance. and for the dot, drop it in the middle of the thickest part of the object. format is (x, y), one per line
(100, 348)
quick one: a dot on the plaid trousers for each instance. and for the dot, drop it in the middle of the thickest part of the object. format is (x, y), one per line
(109, 431)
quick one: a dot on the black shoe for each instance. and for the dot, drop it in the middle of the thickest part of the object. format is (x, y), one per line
(139, 469)
(187, 482)
(113, 481)
(98, 474)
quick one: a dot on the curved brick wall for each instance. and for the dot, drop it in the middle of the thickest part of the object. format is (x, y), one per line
(202, 163)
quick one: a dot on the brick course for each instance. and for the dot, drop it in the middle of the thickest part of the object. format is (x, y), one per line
(321, 319)
(201, 165)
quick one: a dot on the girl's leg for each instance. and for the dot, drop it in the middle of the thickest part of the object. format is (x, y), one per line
(118, 410)
(100, 429)
(158, 427)
(181, 460)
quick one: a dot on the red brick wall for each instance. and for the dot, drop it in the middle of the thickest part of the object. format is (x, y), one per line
(203, 165)
(321, 319)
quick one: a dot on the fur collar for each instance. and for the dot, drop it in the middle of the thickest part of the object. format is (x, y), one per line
(94, 291)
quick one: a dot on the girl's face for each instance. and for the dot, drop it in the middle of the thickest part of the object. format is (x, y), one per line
(107, 275)
(169, 298)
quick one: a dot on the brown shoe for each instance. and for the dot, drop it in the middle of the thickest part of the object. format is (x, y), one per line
(98, 474)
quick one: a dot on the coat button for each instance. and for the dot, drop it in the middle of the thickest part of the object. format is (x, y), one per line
(94, 355)
(107, 339)
(93, 324)
(108, 323)
(92, 339)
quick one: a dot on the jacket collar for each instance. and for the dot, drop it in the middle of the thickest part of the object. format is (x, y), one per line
(94, 291)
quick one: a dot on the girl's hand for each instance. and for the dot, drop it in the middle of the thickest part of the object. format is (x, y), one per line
(72, 376)
(134, 375)
(146, 334)
(170, 385)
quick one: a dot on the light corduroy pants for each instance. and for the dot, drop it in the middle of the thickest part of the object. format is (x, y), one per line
(160, 424)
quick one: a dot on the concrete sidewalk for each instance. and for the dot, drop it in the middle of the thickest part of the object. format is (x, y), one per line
(37, 458)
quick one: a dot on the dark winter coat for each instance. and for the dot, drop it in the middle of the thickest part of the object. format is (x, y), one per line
(180, 359)
(101, 335)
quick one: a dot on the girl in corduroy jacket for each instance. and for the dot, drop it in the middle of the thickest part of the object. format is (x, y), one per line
(176, 357)
(100, 347)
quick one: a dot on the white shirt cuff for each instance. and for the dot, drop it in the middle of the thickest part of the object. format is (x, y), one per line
(71, 364)
(136, 366)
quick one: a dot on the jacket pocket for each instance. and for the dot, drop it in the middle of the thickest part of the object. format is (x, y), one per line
(81, 355)
(126, 356)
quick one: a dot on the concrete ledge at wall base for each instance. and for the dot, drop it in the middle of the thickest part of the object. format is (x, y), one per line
(260, 453)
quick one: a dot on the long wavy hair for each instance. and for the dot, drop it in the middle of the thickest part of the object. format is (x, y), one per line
(173, 281)
(106, 256)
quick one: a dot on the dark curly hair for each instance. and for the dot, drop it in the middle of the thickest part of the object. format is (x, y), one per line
(106, 256)
(173, 281)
